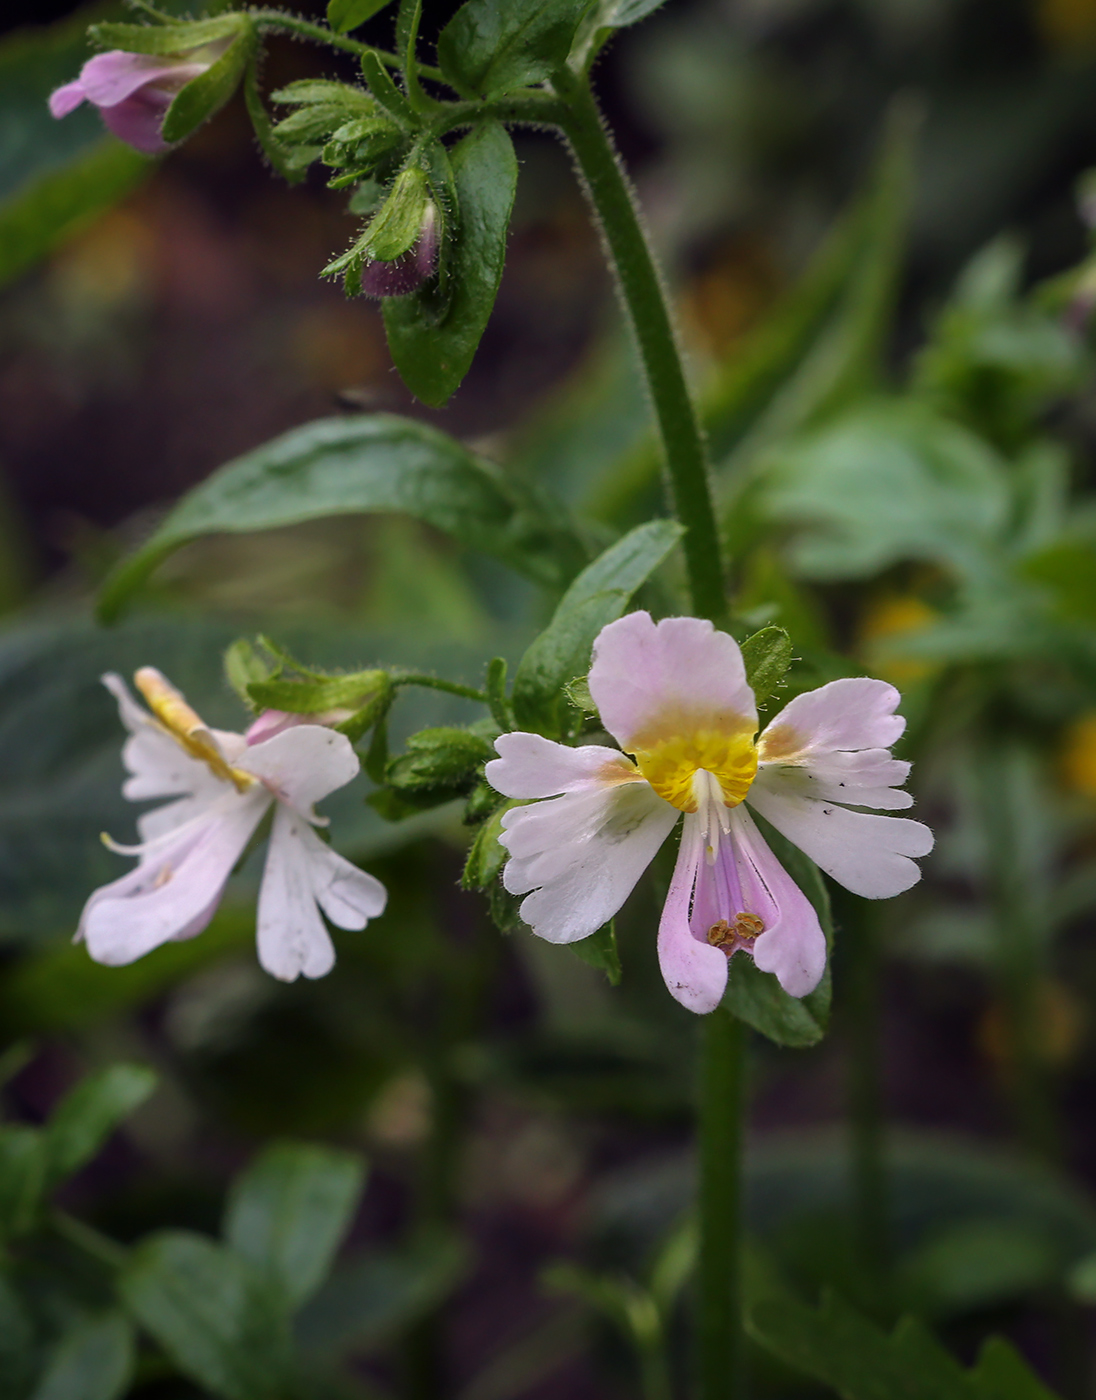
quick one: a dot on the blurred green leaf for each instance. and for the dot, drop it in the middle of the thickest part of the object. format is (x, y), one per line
(767, 655)
(288, 1212)
(600, 951)
(433, 336)
(977, 1264)
(340, 466)
(1001, 1374)
(600, 594)
(92, 1361)
(344, 15)
(18, 1359)
(215, 1315)
(22, 1177)
(89, 1113)
(363, 1304)
(1068, 571)
(492, 46)
(888, 482)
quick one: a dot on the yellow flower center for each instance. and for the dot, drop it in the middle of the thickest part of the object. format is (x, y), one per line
(671, 757)
(187, 727)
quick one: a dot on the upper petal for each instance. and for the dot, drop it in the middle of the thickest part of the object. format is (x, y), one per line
(582, 854)
(676, 674)
(158, 765)
(302, 764)
(109, 78)
(529, 765)
(695, 973)
(868, 854)
(852, 713)
(64, 100)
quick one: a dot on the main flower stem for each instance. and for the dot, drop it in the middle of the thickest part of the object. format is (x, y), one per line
(719, 1300)
(645, 299)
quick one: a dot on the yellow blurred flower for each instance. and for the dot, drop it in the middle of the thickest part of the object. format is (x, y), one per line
(1066, 23)
(890, 617)
(1078, 755)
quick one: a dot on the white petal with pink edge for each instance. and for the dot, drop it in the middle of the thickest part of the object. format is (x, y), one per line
(644, 675)
(531, 766)
(852, 713)
(694, 972)
(581, 855)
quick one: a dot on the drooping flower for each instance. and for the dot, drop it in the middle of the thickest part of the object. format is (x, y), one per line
(133, 91)
(406, 273)
(675, 697)
(223, 784)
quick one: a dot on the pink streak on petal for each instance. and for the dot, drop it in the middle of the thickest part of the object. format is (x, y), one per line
(272, 722)
(695, 972)
(643, 673)
(793, 945)
(64, 100)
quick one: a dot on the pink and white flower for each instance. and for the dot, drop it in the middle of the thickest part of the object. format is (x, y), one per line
(223, 784)
(133, 91)
(675, 697)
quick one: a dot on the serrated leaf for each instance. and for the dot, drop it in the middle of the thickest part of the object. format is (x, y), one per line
(213, 1313)
(92, 1361)
(432, 343)
(340, 466)
(767, 655)
(209, 91)
(89, 1113)
(492, 46)
(600, 594)
(600, 951)
(344, 15)
(288, 1212)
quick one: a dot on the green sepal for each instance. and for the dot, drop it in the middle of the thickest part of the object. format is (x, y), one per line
(376, 756)
(578, 693)
(482, 801)
(209, 91)
(443, 759)
(385, 90)
(495, 686)
(244, 667)
(174, 38)
(486, 856)
(310, 695)
(600, 951)
(767, 655)
(345, 15)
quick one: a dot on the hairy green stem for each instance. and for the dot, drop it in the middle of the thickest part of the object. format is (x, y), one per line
(467, 692)
(320, 34)
(719, 1302)
(645, 299)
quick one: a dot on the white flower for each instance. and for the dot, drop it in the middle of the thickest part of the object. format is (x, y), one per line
(223, 785)
(675, 697)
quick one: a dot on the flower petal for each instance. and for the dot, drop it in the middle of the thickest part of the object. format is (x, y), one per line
(174, 891)
(868, 854)
(694, 971)
(348, 896)
(863, 779)
(582, 854)
(64, 100)
(852, 713)
(529, 765)
(292, 937)
(679, 673)
(302, 764)
(109, 78)
(793, 946)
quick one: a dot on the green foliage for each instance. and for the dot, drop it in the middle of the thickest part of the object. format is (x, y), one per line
(433, 333)
(600, 594)
(344, 15)
(378, 463)
(600, 951)
(846, 1352)
(209, 91)
(216, 1315)
(767, 655)
(493, 46)
(92, 1361)
(288, 1212)
(174, 37)
(89, 1114)
(439, 765)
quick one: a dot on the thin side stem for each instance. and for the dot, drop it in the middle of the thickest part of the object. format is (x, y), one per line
(645, 300)
(88, 1239)
(320, 34)
(450, 687)
(719, 1305)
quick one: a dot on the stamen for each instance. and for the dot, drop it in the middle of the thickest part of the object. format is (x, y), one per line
(739, 933)
(187, 727)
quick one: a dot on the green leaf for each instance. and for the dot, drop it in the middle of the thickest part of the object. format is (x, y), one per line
(837, 1346)
(209, 91)
(92, 1361)
(599, 22)
(385, 90)
(767, 655)
(433, 343)
(340, 466)
(288, 1212)
(600, 594)
(361, 1306)
(486, 856)
(600, 950)
(979, 1263)
(214, 1314)
(492, 46)
(89, 1113)
(344, 15)
(1001, 1374)
(18, 1359)
(22, 1178)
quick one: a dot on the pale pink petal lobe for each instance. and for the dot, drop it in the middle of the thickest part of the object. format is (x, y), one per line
(301, 765)
(695, 973)
(531, 766)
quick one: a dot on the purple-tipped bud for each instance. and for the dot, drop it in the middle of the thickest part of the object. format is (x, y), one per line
(405, 274)
(133, 92)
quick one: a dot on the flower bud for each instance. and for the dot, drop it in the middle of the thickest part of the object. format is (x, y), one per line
(133, 91)
(408, 271)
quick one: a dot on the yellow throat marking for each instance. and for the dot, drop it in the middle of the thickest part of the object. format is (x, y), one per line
(671, 756)
(187, 727)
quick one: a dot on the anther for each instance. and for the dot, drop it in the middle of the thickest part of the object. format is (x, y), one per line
(738, 933)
